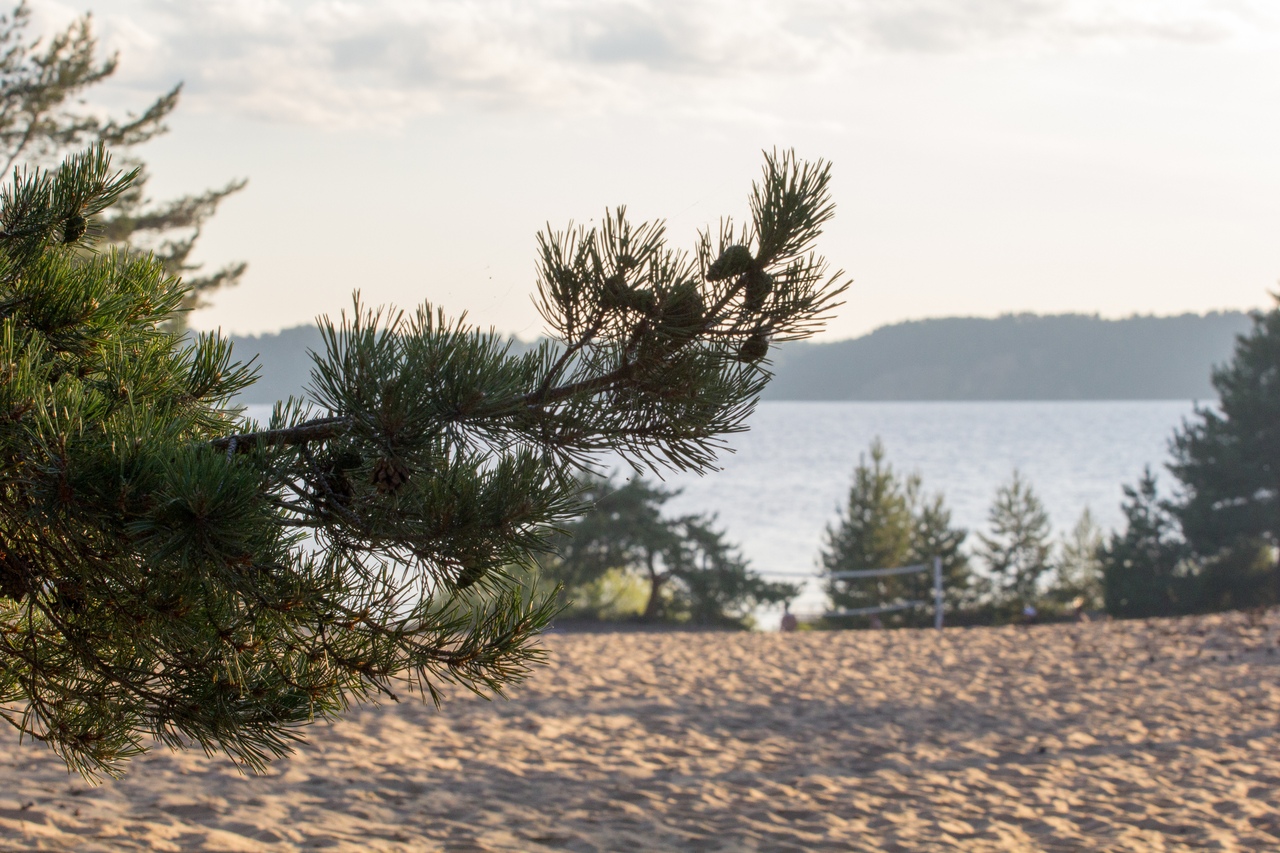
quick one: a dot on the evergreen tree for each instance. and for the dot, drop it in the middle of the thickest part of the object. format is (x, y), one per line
(1241, 576)
(693, 574)
(1078, 571)
(888, 522)
(934, 536)
(1228, 458)
(717, 584)
(170, 571)
(623, 530)
(874, 531)
(1142, 568)
(43, 118)
(1216, 546)
(1017, 552)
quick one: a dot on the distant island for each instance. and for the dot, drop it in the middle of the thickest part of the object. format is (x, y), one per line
(1014, 357)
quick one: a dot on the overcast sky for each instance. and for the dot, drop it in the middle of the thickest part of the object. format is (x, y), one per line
(990, 156)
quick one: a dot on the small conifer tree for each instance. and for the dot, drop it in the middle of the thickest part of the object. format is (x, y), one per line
(1141, 565)
(1078, 572)
(933, 535)
(1018, 550)
(169, 571)
(874, 531)
(718, 585)
(625, 529)
(888, 521)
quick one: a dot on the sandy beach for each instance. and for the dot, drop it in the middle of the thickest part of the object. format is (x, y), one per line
(1156, 735)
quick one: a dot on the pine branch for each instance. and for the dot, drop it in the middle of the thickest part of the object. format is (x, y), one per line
(167, 573)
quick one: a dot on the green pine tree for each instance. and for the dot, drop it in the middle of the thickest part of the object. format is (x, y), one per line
(171, 572)
(692, 573)
(933, 535)
(874, 531)
(1228, 462)
(1143, 569)
(44, 117)
(1018, 550)
(716, 583)
(1078, 569)
(1218, 545)
(624, 530)
(888, 522)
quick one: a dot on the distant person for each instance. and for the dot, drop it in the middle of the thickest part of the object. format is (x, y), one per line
(789, 620)
(1077, 606)
(876, 622)
(1029, 615)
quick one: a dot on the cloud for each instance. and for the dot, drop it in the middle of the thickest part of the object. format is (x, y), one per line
(336, 62)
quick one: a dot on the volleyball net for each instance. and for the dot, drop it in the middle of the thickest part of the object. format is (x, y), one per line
(858, 574)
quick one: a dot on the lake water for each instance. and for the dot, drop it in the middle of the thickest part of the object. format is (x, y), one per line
(789, 474)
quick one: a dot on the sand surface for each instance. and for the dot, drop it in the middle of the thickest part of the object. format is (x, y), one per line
(1112, 736)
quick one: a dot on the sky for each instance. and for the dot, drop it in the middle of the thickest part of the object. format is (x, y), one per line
(989, 156)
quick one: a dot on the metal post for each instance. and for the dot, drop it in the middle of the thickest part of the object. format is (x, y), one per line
(937, 593)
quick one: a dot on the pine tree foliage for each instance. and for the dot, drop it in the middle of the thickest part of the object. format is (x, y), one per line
(1018, 550)
(170, 572)
(624, 530)
(1142, 567)
(43, 118)
(693, 573)
(873, 532)
(888, 521)
(1228, 458)
(1215, 546)
(933, 535)
(1078, 569)
(718, 585)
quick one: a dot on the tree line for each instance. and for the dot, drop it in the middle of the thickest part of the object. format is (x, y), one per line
(1014, 357)
(889, 521)
(624, 560)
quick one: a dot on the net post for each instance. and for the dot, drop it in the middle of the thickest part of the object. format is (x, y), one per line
(937, 593)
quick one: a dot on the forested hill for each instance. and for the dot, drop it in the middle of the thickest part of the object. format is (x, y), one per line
(1017, 357)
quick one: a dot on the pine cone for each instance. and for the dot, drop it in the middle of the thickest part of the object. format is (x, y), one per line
(335, 483)
(15, 579)
(755, 347)
(642, 300)
(469, 575)
(759, 286)
(734, 260)
(683, 312)
(74, 228)
(69, 596)
(389, 474)
(615, 294)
